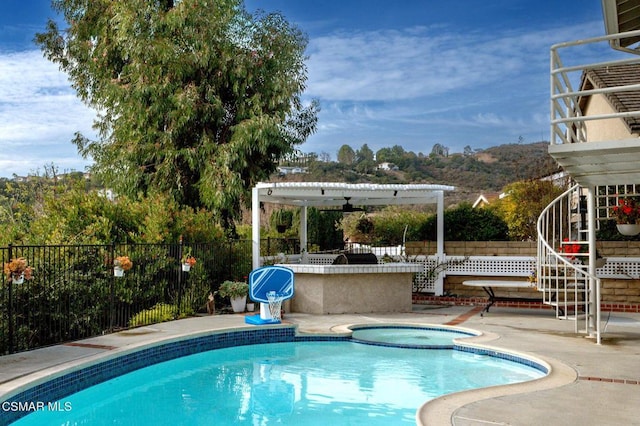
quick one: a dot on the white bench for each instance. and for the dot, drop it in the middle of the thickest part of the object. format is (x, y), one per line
(489, 285)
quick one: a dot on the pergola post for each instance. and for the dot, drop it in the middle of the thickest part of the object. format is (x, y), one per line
(303, 233)
(255, 228)
(439, 282)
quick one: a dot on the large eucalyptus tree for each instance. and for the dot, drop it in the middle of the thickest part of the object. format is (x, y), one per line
(195, 98)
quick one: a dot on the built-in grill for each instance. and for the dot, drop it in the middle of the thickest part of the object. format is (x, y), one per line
(356, 259)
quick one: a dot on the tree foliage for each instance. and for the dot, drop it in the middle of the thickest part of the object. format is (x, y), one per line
(65, 212)
(346, 155)
(440, 150)
(196, 99)
(523, 204)
(364, 154)
(396, 154)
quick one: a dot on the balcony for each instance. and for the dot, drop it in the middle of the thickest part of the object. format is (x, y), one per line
(595, 110)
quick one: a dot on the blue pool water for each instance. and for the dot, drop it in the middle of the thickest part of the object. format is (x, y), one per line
(419, 337)
(292, 383)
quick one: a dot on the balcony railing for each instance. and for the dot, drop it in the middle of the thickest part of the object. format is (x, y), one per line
(568, 121)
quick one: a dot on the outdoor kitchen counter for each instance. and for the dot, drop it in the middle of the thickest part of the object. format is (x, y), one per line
(349, 289)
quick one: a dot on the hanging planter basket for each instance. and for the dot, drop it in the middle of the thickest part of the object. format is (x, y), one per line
(187, 262)
(18, 270)
(628, 229)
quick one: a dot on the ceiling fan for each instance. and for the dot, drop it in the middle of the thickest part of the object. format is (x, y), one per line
(347, 207)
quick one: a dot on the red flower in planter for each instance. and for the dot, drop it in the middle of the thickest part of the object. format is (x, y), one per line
(627, 211)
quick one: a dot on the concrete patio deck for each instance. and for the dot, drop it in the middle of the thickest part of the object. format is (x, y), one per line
(590, 384)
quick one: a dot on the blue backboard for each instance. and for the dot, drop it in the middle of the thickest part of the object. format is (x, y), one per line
(270, 278)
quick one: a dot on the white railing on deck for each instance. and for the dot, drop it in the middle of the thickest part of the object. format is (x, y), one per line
(567, 119)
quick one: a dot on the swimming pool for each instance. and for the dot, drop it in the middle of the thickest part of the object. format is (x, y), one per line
(304, 380)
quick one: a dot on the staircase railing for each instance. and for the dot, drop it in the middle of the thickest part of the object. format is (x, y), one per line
(562, 271)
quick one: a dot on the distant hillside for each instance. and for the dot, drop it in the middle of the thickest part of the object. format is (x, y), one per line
(489, 170)
(493, 168)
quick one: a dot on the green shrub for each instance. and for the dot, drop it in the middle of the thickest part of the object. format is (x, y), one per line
(233, 289)
(159, 313)
(464, 223)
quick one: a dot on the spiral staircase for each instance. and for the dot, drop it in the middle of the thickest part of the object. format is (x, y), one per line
(595, 133)
(566, 264)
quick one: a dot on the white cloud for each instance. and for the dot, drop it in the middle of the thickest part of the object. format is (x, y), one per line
(39, 114)
(422, 62)
(490, 119)
(420, 86)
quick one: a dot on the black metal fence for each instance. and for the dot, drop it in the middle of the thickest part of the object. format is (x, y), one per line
(74, 294)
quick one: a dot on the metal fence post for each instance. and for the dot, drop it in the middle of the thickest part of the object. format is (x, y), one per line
(10, 305)
(112, 295)
(180, 274)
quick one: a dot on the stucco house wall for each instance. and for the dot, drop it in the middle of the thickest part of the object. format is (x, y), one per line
(609, 103)
(604, 130)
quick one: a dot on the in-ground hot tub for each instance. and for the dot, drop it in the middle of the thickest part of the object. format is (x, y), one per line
(351, 289)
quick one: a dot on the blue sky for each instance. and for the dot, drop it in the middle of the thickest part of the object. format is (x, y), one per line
(410, 72)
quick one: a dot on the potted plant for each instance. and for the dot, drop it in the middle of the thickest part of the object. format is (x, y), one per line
(626, 214)
(188, 261)
(18, 270)
(121, 264)
(282, 219)
(237, 292)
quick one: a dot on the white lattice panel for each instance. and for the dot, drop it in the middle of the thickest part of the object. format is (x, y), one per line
(507, 266)
(609, 196)
(621, 268)
(424, 281)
